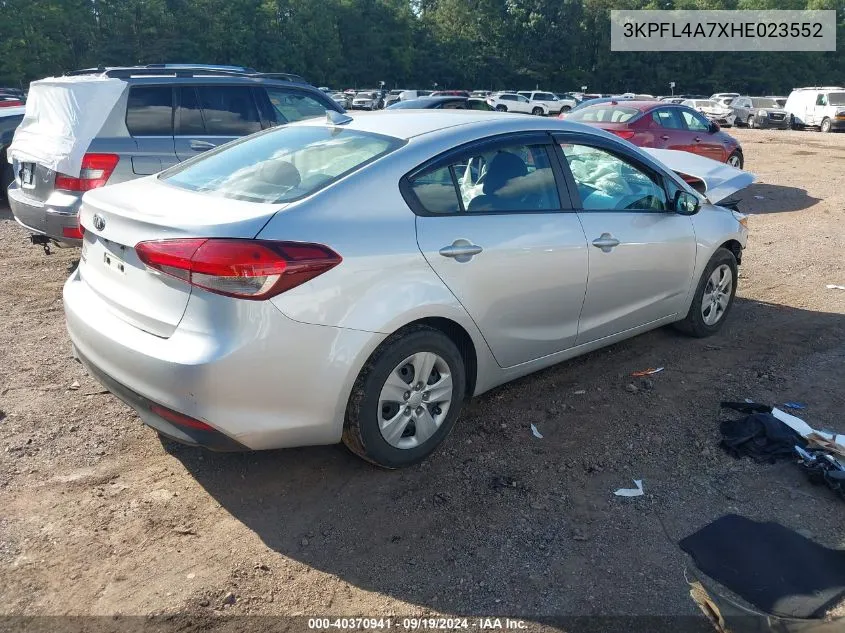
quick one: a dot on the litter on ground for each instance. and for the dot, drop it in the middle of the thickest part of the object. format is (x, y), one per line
(631, 492)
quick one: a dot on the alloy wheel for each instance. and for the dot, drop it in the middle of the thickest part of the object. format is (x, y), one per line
(415, 400)
(717, 294)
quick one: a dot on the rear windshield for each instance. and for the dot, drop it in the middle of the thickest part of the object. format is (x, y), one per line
(282, 164)
(604, 113)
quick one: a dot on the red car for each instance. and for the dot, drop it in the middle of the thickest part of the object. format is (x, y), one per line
(663, 126)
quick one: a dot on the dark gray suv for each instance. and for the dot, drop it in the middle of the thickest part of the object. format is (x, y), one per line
(165, 114)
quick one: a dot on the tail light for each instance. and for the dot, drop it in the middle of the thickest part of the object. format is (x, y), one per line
(72, 232)
(626, 134)
(96, 171)
(245, 269)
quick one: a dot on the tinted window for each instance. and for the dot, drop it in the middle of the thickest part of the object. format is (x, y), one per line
(280, 165)
(545, 96)
(478, 104)
(149, 111)
(694, 121)
(607, 182)
(228, 110)
(837, 98)
(458, 104)
(667, 118)
(508, 97)
(604, 113)
(292, 106)
(760, 102)
(515, 178)
(190, 116)
(436, 191)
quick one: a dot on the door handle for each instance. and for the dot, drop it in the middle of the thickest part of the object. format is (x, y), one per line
(202, 146)
(461, 250)
(697, 139)
(606, 242)
(665, 137)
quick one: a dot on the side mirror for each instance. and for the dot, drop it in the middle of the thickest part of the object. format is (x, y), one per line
(714, 127)
(686, 203)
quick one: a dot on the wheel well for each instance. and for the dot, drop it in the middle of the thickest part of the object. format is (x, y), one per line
(734, 247)
(462, 340)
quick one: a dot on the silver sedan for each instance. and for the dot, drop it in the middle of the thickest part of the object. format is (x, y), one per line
(358, 279)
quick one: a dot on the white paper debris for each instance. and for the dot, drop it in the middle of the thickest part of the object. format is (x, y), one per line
(536, 433)
(759, 197)
(834, 287)
(631, 492)
(796, 424)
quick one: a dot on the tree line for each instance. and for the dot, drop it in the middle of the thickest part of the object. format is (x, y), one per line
(475, 44)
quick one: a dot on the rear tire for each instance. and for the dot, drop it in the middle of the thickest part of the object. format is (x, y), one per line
(501, 108)
(712, 301)
(565, 109)
(826, 125)
(537, 111)
(750, 122)
(395, 417)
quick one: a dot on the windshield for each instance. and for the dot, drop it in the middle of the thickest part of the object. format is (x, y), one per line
(759, 102)
(604, 113)
(282, 164)
(705, 104)
(365, 95)
(836, 98)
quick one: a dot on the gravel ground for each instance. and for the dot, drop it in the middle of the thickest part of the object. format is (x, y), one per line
(97, 517)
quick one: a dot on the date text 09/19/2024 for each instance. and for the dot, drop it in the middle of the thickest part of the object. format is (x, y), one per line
(416, 624)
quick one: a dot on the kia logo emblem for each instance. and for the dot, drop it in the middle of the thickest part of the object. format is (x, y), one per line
(99, 222)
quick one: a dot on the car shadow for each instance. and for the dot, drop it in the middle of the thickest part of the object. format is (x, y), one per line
(763, 198)
(500, 522)
(5, 211)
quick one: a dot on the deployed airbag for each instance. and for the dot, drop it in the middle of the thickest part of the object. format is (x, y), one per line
(63, 115)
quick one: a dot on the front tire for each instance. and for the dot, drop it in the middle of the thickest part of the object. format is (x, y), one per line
(501, 108)
(750, 122)
(826, 125)
(736, 159)
(714, 296)
(537, 111)
(406, 399)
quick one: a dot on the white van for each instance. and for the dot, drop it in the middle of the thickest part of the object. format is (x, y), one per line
(820, 106)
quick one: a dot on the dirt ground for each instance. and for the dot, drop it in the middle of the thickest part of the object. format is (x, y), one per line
(98, 517)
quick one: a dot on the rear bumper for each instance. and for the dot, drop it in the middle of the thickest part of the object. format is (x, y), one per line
(255, 376)
(49, 217)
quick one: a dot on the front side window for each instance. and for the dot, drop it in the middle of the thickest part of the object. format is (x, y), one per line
(149, 111)
(609, 183)
(694, 121)
(523, 99)
(516, 178)
(821, 100)
(228, 110)
(290, 106)
(281, 165)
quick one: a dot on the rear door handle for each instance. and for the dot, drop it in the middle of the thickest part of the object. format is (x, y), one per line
(606, 242)
(697, 139)
(461, 250)
(202, 146)
(665, 137)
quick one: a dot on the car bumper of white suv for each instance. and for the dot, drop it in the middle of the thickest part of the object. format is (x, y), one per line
(52, 218)
(243, 374)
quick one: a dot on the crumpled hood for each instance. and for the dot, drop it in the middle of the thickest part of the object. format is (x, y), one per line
(720, 179)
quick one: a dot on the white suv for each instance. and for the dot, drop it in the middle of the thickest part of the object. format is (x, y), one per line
(510, 102)
(548, 102)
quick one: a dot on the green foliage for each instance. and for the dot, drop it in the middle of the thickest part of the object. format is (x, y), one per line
(493, 44)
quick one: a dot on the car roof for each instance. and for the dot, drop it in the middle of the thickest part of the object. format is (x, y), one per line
(407, 124)
(630, 103)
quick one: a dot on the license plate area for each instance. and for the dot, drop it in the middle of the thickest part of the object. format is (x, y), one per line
(114, 263)
(26, 175)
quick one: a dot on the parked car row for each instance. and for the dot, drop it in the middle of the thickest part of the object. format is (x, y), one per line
(662, 125)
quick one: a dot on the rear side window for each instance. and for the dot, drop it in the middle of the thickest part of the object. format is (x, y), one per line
(228, 110)
(149, 111)
(667, 118)
(605, 113)
(290, 106)
(190, 114)
(282, 164)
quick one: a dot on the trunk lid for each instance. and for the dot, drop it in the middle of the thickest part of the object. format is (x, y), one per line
(116, 218)
(720, 180)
